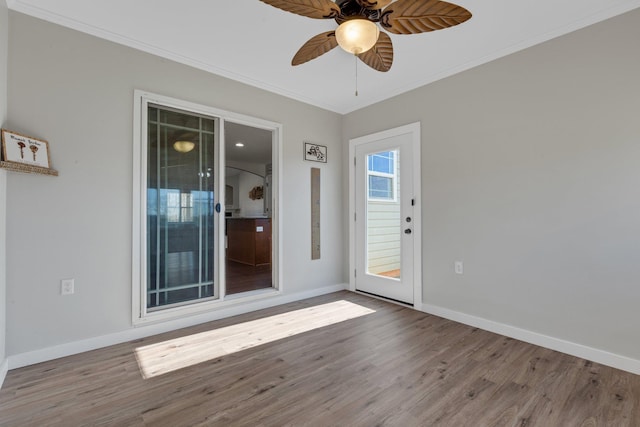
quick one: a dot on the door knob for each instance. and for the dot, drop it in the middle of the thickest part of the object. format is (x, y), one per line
(407, 231)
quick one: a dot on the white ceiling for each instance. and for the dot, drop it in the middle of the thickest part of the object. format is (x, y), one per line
(249, 41)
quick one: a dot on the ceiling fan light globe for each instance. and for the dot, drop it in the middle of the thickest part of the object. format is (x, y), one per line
(183, 146)
(357, 35)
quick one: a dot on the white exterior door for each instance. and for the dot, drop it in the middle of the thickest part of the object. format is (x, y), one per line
(386, 214)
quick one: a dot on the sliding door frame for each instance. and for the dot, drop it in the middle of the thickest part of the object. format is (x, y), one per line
(139, 312)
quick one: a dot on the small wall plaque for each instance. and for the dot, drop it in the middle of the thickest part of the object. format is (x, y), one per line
(17, 148)
(315, 152)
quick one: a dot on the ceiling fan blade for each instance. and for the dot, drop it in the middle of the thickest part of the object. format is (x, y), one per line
(318, 9)
(374, 4)
(380, 56)
(314, 47)
(419, 16)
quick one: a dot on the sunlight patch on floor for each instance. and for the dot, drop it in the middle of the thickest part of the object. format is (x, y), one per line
(178, 353)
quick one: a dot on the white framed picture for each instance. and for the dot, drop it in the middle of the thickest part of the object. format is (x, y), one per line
(18, 148)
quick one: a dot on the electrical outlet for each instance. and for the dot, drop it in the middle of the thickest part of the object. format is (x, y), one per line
(458, 267)
(67, 286)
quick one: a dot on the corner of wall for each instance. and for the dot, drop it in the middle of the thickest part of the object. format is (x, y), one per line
(3, 275)
(4, 49)
(4, 368)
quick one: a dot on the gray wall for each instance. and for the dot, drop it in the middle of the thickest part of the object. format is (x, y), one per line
(76, 91)
(4, 45)
(530, 175)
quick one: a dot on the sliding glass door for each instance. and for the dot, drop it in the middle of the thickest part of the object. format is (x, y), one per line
(205, 208)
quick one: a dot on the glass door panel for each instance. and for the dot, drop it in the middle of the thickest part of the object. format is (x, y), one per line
(383, 214)
(180, 207)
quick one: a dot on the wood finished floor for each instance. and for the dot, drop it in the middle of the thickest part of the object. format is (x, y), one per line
(394, 367)
(243, 278)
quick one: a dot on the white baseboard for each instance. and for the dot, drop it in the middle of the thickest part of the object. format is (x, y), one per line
(68, 349)
(593, 354)
(4, 368)
(596, 355)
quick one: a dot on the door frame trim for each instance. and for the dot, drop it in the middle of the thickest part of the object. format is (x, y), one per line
(140, 315)
(414, 130)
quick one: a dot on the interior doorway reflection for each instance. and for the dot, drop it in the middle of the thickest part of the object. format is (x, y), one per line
(248, 208)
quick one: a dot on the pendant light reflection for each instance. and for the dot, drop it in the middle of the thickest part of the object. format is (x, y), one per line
(183, 146)
(357, 35)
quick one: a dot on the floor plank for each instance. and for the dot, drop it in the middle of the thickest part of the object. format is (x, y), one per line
(388, 366)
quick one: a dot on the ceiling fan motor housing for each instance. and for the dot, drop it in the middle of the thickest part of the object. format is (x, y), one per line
(350, 9)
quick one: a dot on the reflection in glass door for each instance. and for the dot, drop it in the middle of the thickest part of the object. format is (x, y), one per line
(180, 207)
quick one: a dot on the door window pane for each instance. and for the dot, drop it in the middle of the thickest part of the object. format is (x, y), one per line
(180, 207)
(383, 215)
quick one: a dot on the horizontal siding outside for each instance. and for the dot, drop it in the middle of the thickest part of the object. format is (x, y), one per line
(383, 237)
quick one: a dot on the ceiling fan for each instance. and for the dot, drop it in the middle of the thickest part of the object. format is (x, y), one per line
(358, 32)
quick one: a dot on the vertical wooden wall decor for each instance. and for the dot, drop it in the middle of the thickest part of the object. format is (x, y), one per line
(315, 213)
